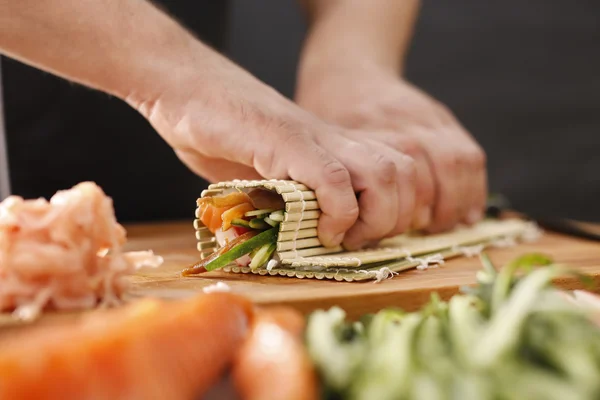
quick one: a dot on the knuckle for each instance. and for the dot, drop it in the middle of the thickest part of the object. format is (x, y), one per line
(410, 146)
(335, 174)
(404, 143)
(407, 169)
(384, 169)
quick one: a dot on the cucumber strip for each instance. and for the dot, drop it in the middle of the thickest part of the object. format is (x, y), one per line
(253, 252)
(255, 213)
(277, 216)
(241, 223)
(262, 255)
(242, 249)
(258, 223)
(271, 222)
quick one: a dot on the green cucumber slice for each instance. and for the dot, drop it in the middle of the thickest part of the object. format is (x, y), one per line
(255, 213)
(271, 222)
(262, 255)
(240, 222)
(258, 223)
(277, 216)
(266, 237)
(253, 252)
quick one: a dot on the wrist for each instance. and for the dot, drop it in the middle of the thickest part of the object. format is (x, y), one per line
(155, 71)
(319, 79)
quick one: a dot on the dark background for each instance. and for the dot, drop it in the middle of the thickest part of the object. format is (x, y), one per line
(523, 77)
(265, 37)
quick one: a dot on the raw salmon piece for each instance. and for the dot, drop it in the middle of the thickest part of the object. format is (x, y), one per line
(273, 363)
(211, 217)
(147, 350)
(206, 215)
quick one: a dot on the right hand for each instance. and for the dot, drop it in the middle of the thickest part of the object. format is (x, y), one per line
(225, 124)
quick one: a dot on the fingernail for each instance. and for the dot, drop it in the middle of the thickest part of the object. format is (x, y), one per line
(474, 216)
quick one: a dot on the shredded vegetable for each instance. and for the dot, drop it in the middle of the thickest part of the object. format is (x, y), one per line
(512, 336)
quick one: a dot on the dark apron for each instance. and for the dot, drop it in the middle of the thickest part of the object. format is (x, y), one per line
(59, 134)
(524, 78)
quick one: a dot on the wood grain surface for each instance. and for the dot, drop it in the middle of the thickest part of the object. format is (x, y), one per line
(409, 290)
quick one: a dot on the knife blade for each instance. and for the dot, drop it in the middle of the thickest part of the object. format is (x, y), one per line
(499, 205)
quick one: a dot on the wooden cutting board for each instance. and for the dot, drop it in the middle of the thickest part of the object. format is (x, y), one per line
(409, 290)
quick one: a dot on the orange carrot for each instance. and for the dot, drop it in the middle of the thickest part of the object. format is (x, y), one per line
(147, 350)
(273, 362)
(229, 200)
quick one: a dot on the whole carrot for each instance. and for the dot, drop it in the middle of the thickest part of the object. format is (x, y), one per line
(273, 362)
(147, 350)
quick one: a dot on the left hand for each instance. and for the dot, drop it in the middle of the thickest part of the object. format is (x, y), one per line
(450, 166)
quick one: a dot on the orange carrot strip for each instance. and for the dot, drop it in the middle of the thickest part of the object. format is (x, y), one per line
(233, 213)
(229, 200)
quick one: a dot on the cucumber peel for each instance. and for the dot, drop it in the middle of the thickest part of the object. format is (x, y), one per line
(257, 223)
(266, 237)
(262, 255)
(242, 223)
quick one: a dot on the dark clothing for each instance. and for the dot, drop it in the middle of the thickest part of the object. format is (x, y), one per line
(60, 133)
(524, 78)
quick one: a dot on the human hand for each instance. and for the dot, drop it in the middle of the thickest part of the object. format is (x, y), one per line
(451, 182)
(223, 123)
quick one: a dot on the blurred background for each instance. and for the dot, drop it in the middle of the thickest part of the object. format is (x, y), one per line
(522, 76)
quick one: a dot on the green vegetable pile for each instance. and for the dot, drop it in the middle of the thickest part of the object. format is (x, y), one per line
(512, 336)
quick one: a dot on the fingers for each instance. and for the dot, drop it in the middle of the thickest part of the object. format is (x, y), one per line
(309, 163)
(377, 174)
(424, 178)
(425, 193)
(406, 180)
(375, 179)
(474, 171)
(478, 184)
(449, 182)
(406, 176)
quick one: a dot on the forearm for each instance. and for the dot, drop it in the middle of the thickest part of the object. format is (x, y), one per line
(122, 47)
(358, 33)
